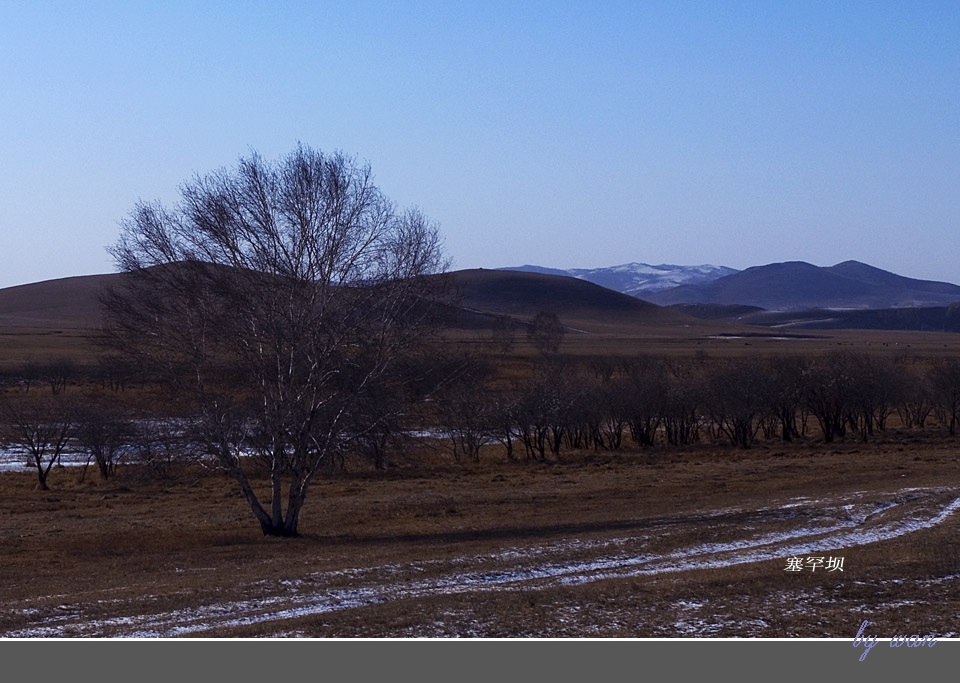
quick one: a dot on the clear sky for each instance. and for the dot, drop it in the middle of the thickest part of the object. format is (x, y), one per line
(557, 133)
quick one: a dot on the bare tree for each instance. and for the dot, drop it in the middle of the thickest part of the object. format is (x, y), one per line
(104, 431)
(683, 403)
(880, 384)
(916, 403)
(503, 413)
(58, 373)
(503, 334)
(734, 393)
(162, 446)
(274, 297)
(546, 408)
(41, 427)
(829, 390)
(462, 410)
(784, 392)
(546, 332)
(647, 392)
(30, 373)
(944, 378)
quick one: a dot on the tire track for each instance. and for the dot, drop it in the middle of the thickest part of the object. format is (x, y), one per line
(857, 519)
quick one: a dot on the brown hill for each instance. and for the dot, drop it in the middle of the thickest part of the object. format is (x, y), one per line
(796, 285)
(578, 303)
(480, 295)
(69, 302)
(50, 320)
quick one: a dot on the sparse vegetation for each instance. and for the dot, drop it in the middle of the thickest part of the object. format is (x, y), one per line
(150, 556)
(41, 428)
(644, 440)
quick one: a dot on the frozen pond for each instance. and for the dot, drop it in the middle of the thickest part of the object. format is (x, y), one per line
(13, 460)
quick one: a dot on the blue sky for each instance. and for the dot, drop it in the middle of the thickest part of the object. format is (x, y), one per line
(557, 133)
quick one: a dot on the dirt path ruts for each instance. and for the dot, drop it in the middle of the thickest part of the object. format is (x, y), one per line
(800, 527)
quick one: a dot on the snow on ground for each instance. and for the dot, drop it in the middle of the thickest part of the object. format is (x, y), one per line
(827, 526)
(13, 460)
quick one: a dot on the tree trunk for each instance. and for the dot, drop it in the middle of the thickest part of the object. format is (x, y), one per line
(43, 472)
(295, 498)
(266, 522)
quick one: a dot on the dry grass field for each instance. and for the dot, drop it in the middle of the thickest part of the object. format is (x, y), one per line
(661, 542)
(639, 544)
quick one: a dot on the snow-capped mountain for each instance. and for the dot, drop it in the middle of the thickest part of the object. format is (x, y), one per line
(798, 285)
(638, 278)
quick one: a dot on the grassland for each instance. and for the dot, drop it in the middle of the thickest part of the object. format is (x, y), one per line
(658, 542)
(638, 544)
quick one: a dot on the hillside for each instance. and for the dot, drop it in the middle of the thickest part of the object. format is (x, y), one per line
(796, 285)
(67, 302)
(637, 279)
(577, 302)
(863, 272)
(480, 295)
(32, 315)
(921, 319)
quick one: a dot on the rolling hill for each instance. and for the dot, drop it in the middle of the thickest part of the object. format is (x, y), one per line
(67, 302)
(793, 294)
(637, 279)
(479, 296)
(796, 285)
(522, 295)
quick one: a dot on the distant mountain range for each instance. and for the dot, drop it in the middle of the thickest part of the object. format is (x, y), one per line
(778, 295)
(638, 279)
(522, 295)
(790, 286)
(477, 298)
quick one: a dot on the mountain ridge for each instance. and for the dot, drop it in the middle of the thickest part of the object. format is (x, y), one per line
(523, 294)
(481, 295)
(760, 295)
(798, 285)
(636, 278)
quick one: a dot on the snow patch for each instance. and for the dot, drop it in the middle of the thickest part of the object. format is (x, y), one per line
(842, 525)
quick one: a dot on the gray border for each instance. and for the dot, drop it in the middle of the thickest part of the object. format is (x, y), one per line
(446, 660)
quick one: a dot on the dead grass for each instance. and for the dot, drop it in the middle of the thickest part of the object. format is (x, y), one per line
(105, 558)
(393, 553)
